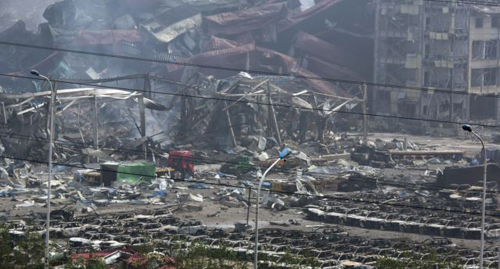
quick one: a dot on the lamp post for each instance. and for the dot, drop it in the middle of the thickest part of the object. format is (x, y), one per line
(51, 139)
(468, 128)
(283, 154)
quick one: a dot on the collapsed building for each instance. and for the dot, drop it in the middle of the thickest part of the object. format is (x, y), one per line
(236, 81)
(206, 46)
(418, 45)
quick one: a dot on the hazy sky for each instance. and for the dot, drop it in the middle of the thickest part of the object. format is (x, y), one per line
(30, 11)
(306, 4)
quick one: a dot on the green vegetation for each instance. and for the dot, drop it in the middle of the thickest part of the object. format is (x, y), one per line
(409, 260)
(289, 260)
(21, 251)
(86, 264)
(201, 256)
(27, 251)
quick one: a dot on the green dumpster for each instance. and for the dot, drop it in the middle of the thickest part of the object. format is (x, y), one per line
(135, 173)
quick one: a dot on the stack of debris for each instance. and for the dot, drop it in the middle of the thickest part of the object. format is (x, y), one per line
(205, 45)
(26, 132)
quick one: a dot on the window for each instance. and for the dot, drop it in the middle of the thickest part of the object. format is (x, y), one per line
(483, 107)
(427, 78)
(383, 101)
(477, 78)
(485, 50)
(427, 51)
(484, 77)
(450, 81)
(479, 22)
(491, 50)
(407, 109)
(495, 22)
(490, 77)
(478, 50)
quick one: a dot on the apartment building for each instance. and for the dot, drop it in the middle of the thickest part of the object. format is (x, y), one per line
(436, 60)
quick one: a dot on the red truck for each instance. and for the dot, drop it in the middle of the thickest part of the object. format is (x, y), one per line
(182, 162)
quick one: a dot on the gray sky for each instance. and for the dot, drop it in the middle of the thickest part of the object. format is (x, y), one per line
(30, 11)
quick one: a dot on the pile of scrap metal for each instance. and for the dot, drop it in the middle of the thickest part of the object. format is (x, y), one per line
(78, 135)
(242, 110)
(210, 43)
(258, 35)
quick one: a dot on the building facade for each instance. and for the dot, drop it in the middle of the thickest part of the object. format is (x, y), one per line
(444, 54)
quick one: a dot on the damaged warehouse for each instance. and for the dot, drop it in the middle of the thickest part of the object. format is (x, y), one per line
(175, 122)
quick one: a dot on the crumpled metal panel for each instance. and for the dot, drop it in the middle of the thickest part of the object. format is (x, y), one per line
(217, 43)
(331, 70)
(261, 60)
(324, 50)
(246, 20)
(172, 23)
(106, 37)
(313, 11)
(322, 86)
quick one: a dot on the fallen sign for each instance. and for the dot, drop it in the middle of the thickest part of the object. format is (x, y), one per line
(331, 157)
(428, 153)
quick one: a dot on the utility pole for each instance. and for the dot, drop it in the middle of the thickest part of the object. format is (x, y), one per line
(94, 124)
(147, 86)
(365, 130)
(498, 248)
(283, 154)
(229, 122)
(142, 115)
(452, 69)
(51, 139)
(273, 122)
(250, 204)
(468, 128)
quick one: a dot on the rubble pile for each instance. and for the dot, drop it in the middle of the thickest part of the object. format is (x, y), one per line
(25, 130)
(242, 113)
(206, 45)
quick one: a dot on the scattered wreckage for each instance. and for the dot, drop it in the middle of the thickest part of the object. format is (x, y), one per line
(222, 83)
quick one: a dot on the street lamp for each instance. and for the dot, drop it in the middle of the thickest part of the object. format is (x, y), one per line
(283, 154)
(468, 128)
(51, 139)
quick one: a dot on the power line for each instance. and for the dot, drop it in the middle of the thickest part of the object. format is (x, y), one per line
(382, 85)
(323, 197)
(481, 3)
(258, 103)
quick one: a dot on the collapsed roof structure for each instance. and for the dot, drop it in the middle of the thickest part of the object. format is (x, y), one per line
(242, 53)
